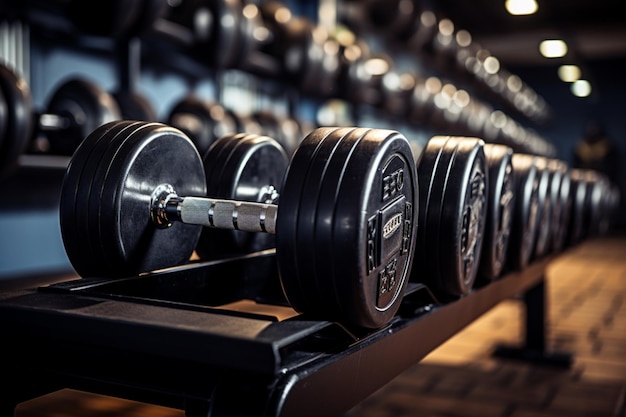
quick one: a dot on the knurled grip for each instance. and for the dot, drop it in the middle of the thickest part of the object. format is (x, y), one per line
(228, 214)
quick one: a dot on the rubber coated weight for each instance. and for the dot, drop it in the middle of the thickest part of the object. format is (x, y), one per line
(593, 202)
(576, 222)
(201, 120)
(561, 202)
(85, 106)
(226, 32)
(500, 203)
(18, 118)
(252, 170)
(117, 198)
(81, 238)
(525, 213)
(544, 214)
(134, 106)
(360, 214)
(453, 186)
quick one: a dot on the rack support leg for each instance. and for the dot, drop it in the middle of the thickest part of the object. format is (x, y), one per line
(534, 349)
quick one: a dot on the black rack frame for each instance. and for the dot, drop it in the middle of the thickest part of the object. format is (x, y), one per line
(148, 339)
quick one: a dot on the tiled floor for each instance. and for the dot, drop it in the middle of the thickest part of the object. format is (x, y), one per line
(587, 296)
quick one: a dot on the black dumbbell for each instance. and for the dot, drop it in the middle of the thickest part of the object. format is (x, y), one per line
(15, 108)
(453, 187)
(133, 199)
(242, 167)
(544, 214)
(500, 203)
(561, 202)
(525, 213)
(307, 54)
(202, 120)
(76, 108)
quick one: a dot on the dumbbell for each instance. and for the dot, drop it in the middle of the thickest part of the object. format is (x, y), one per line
(76, 108)
(223, 32)
(243, 167)
(500, 203)
(15, 110)
(561, 202)
(453, 187)
(544, 213)
(588, 188)
(575, 228)
(525, 212)
(307, 54)
(203, 121)
(362, 80)
(133, 198)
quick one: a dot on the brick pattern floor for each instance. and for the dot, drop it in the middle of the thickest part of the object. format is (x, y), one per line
(587, 316)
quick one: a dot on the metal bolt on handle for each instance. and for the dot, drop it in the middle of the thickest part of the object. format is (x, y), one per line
(167, 207)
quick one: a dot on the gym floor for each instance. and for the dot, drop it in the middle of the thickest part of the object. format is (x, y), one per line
(587, 317)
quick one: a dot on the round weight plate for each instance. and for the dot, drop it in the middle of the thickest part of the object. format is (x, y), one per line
(157, 155)
(575, 230)
(78, 240)
(453, 180)
(593, 203)
(96, 174)
(500, 202)
(214, 160)
(226, 32)
(253, 171)
(18, 118)
(544, 216)
(269, 124)
(363, 205)
(133, 164)
(524, 223)
(250, 25)
(201, 120)
(86, 107)
(559, 194)
(134, 106)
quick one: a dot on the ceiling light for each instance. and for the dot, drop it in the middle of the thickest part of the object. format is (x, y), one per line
(521, 7)
(569, 73)
(581, 88)
(376, 66)
(553, 48)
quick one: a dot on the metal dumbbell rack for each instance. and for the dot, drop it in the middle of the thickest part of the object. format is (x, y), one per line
(159, 338)
(178, 338)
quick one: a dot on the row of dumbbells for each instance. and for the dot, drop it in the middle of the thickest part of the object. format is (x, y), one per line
(269, 39)
(77, 106)
(352, 215)
(450, 50)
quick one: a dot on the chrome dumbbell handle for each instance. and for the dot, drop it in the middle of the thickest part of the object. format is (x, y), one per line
(167, 207)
